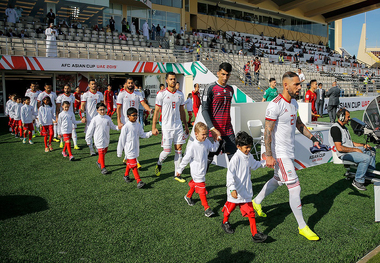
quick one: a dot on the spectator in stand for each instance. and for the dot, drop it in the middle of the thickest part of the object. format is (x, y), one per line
(154, 32)
(163, 31)
(11, 14)
(301, 76)
(10, 33)
(281, 58)
(182, 31)
(247, 69)
(158, 29)
(146, 30)
(112, 24)
(122, 36)
(271, 91)
(124, 25)
(257, 68)
(224, 49)
(133, 28)
(196, 100)
(39, 30)
(51, 17)
(22, 34)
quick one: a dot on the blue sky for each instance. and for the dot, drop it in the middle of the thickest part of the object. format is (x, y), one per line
(352, 28)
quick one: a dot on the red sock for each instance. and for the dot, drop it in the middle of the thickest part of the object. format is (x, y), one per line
(136, 174)
(45, 141)
(30, 135)
(252, 224)
(204, 201)
(24, 134)
(21, 133)
(190, 193)
(127, 171)
(64, 148)
(69, 148)
(225, 219)
(50, 138)
(101, 159)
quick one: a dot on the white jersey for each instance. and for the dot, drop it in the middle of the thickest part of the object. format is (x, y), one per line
(170, 103)
(63, 97)
(189, 104)
(66, 122)
(16, 109)
(46, 115)
(28, 114)
(33, 95)
(239, 176)
(284, 113)
(128, 100)
(301, 76)
(100, 128)
(129, 140)
(52, 95)
(196, 155)
(7, 107)
(91, 100)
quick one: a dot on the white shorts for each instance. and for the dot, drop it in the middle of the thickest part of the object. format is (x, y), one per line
(172, 136)
(284, 171)
(88, 121)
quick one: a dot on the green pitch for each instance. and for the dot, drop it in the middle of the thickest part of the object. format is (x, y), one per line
(53, 210)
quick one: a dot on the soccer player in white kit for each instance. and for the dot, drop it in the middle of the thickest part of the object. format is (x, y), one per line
(33, 93)
(127, 98)
(281, 122)
(53, 97)
(88, 107)
(67, 96)
(171, 101)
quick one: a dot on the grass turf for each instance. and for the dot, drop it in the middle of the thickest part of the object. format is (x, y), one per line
(53, 210)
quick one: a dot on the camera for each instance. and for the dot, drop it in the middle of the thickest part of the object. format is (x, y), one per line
(360, 128)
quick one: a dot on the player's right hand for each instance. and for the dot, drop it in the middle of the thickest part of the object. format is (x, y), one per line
(234, 194)
(155, 131)
(270, 162)
(120, 125)
(216, 135)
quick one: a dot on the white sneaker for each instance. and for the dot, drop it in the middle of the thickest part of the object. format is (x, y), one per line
(92, 152)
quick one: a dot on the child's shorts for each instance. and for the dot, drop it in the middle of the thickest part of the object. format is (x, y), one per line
(28, 126)
(132, 163)
(47, 130)
(200, 188)
(246, 209)
(67, 137)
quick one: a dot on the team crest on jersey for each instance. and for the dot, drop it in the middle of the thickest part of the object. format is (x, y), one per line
(289, 171)
(218, 94)
(286, 110)
(268, 113)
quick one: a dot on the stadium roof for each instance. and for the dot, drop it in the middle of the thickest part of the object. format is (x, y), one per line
(322, 11)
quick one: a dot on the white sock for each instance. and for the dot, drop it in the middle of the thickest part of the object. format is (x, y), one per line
(74, 137)
(295, 203)
(55, 130)
(177, 160)
(91, 147)
(268, 188)
(163, 155)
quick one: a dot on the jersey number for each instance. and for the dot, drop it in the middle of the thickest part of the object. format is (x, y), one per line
(293, 120)
(173, 105)
(132, 103)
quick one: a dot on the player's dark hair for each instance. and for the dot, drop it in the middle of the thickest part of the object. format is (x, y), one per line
(169, 73)
(131, 110)
(100, 104)
(320, 84)
(65, 103)
(137, 83)
(272, 79)
(129, 78)
(312, 81)
(243, 139)
(195, 85)
(162, 85)
(47, 84)
(226, 66)
(16, 97)
(91, 80)
(25, 98)
(49, 101)
(289, 75)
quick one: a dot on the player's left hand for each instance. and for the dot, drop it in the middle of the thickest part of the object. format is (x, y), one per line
(234, 194)
(187, 130)
(83, 120)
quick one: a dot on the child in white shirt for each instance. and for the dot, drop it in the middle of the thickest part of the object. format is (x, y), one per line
(196, 155)
(66, 120)
(239, 186)
(7, 113)
(129, 142)
(27, 117)
(100, 127)
(16, 111)
(46, 118)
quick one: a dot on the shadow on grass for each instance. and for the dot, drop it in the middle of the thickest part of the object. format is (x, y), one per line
(19, 205)
(225, 255)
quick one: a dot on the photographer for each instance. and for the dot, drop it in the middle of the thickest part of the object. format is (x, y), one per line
(362, 154)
